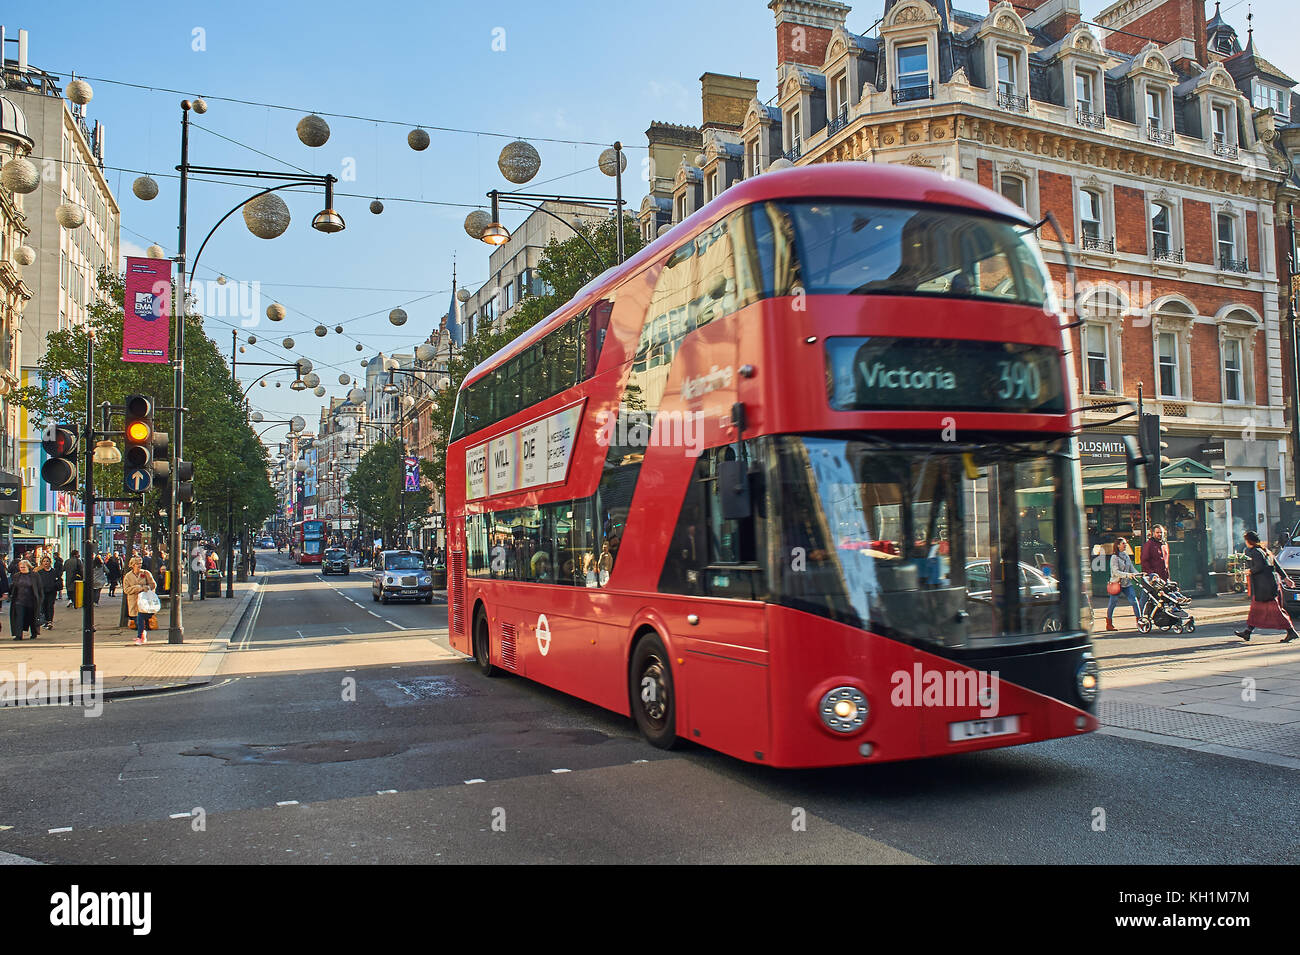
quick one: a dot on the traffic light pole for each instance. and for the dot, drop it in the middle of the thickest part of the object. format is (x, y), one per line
(88, 514)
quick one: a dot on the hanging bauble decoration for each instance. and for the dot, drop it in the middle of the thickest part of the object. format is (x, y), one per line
(79, 91)
(266, 216)
(519, 161)
(70, 216)
(20, 176)
(275, 312)
(418, 140)
(376, 206)
(145, 188)
(397, 316)
(313, 131)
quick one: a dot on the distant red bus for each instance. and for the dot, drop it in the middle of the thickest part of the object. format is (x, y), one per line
(797, 482)
(307, 542)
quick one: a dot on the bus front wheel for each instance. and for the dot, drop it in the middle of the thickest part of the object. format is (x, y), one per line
(483, 647)
(651, 693)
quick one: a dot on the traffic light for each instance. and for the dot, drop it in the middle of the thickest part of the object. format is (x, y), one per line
(60, 468)
(161, 467)
(137, 464)
(1149, 432)
(184, 486)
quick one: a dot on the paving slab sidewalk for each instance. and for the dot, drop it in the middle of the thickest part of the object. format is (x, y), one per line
(47, 669)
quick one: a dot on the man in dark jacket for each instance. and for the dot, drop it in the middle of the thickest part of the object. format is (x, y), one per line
(1155, 554)
(71, 574)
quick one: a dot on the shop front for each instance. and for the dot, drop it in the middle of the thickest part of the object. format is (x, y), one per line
(1193, 505)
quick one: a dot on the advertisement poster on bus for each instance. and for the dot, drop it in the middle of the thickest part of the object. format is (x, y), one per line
(535, 454)
(411, 474)
(146, 320)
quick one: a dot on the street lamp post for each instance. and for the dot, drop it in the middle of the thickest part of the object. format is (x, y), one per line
(327, 221)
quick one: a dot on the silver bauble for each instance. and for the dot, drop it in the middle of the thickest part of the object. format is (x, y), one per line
(287, 343)
(418, 140)
(275, 312)
(267, 217)
(21, 176)
(145, 188)
(519, 161)
(611, 163)
(70, 216)
(476, 222)
(313, 131)
(24, 255)
(397, 316)
(321, 331)
(376, 206)
(79, 91)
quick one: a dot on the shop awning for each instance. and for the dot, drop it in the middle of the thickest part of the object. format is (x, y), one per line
(1180, 480)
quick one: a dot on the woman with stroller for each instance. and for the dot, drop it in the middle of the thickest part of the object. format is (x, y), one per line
(1266, 608)
(1122, 573)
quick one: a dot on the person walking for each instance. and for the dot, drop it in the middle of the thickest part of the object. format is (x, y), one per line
(98, 577)
(1155, 557)
(113, 569)
(50, 587)
(1122, 573)
(1266, 610)
(25, 600)
(136, 582)
(71, 574)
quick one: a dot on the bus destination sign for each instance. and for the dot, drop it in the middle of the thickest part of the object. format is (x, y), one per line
(905, 374)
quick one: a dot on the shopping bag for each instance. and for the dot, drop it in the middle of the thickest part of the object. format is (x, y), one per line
(148, 602)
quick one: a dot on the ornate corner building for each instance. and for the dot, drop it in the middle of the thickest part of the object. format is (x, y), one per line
(1153, 139)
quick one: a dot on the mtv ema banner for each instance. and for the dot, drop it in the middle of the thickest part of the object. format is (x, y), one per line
(146, 324)
(537, 453)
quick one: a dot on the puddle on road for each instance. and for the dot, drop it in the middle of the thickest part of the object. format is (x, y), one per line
(316, 751)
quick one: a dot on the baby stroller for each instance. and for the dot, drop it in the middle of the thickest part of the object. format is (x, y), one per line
(1163, 608)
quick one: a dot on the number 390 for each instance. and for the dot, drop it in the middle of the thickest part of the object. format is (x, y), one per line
(1019, 380)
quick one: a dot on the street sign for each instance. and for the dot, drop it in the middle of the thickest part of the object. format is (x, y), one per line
(11, 489)
(138, 479)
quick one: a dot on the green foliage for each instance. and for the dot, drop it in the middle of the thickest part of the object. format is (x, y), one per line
(375, 489)
(218, 438)
(566, 266)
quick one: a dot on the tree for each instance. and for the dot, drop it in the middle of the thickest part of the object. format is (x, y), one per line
(565, 267)
(226, 452)
(375, 490)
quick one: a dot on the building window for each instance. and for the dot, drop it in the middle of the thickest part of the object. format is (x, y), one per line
(1090, 215)
(1220, 117)
(1226, 227)
(1232, 390)
(1097, 347)
(1007, 74)
(1161, 236)
(681, 207)
(1013, 188)
(841, 105)
(1270, 97)
(754, 166)
(1155, 109)
(1168, 365)
(1083, 98)
(913, 67)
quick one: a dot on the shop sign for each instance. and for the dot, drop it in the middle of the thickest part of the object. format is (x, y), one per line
(1121, 495)
(1213, 492)
(1105, 450)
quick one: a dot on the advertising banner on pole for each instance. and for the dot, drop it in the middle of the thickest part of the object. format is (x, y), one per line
(412, 480)
(146, 324)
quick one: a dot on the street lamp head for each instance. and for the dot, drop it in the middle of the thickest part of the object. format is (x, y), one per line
(298, 385)
(328, 221)
(494, 233)
(107, 452)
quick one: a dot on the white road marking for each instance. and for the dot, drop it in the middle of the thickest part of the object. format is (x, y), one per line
(561, 770)
(392, 624)
(373, 614)
(179, 815)
(385, 792)
(288, 802)
(471, 782)
(5, 828)
(635, 761)
(62, 829)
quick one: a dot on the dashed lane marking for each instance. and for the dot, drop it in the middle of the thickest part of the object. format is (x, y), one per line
(288, 802)
(393, 624)
(179, 815)
(373, 614)
(61, 829)
(385, 792)
(471, 782)
(561, 770)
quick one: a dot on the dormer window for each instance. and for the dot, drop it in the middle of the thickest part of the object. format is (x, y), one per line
(1083, 91)
(1155, 109)
(1158, 119)
(1220, 120)
(841, 103)
(913, 73)
(1007, 74)
(794, 139)
(1270, 97)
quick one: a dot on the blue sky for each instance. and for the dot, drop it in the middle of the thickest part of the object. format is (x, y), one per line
(570, 70)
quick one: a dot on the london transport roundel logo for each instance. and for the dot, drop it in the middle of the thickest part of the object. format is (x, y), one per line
(543, 634)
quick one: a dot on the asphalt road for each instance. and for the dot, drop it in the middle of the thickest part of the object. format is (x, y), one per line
(423, 760)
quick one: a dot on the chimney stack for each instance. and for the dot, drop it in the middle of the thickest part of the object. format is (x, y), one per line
(803, 30)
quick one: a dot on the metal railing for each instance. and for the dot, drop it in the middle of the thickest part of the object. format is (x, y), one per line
(1228, 263)
(1010, 101)
(1086, 117)
(838, 121)
(1167, 255)
(794, 152)
(1096, 243)
(910, 93)
(1157, 135)
(1225, 149)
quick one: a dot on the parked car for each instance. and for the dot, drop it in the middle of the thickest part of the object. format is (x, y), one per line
(266, 542)
(1039, 596)
(401, 575)
(335, 561)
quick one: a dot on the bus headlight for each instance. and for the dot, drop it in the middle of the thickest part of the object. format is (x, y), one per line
(843, 709)
(1087, 679)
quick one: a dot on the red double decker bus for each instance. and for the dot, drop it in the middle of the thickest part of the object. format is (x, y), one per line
(797, 482)
(307, 542)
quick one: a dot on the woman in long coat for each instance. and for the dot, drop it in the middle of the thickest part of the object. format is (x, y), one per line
(1266, 610)
(25, 599)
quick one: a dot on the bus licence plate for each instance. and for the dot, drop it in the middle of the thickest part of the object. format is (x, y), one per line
(980, 729)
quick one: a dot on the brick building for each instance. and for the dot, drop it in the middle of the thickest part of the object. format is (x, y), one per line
(1144, 146)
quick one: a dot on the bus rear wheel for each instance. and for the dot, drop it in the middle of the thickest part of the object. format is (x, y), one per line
(483, 647)
(650, 690)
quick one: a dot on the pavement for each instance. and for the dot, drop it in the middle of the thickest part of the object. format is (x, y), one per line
(47, 669)
(1204, 609)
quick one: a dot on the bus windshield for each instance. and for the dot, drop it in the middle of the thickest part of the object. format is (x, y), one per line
(927, 545)
(863, 248)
